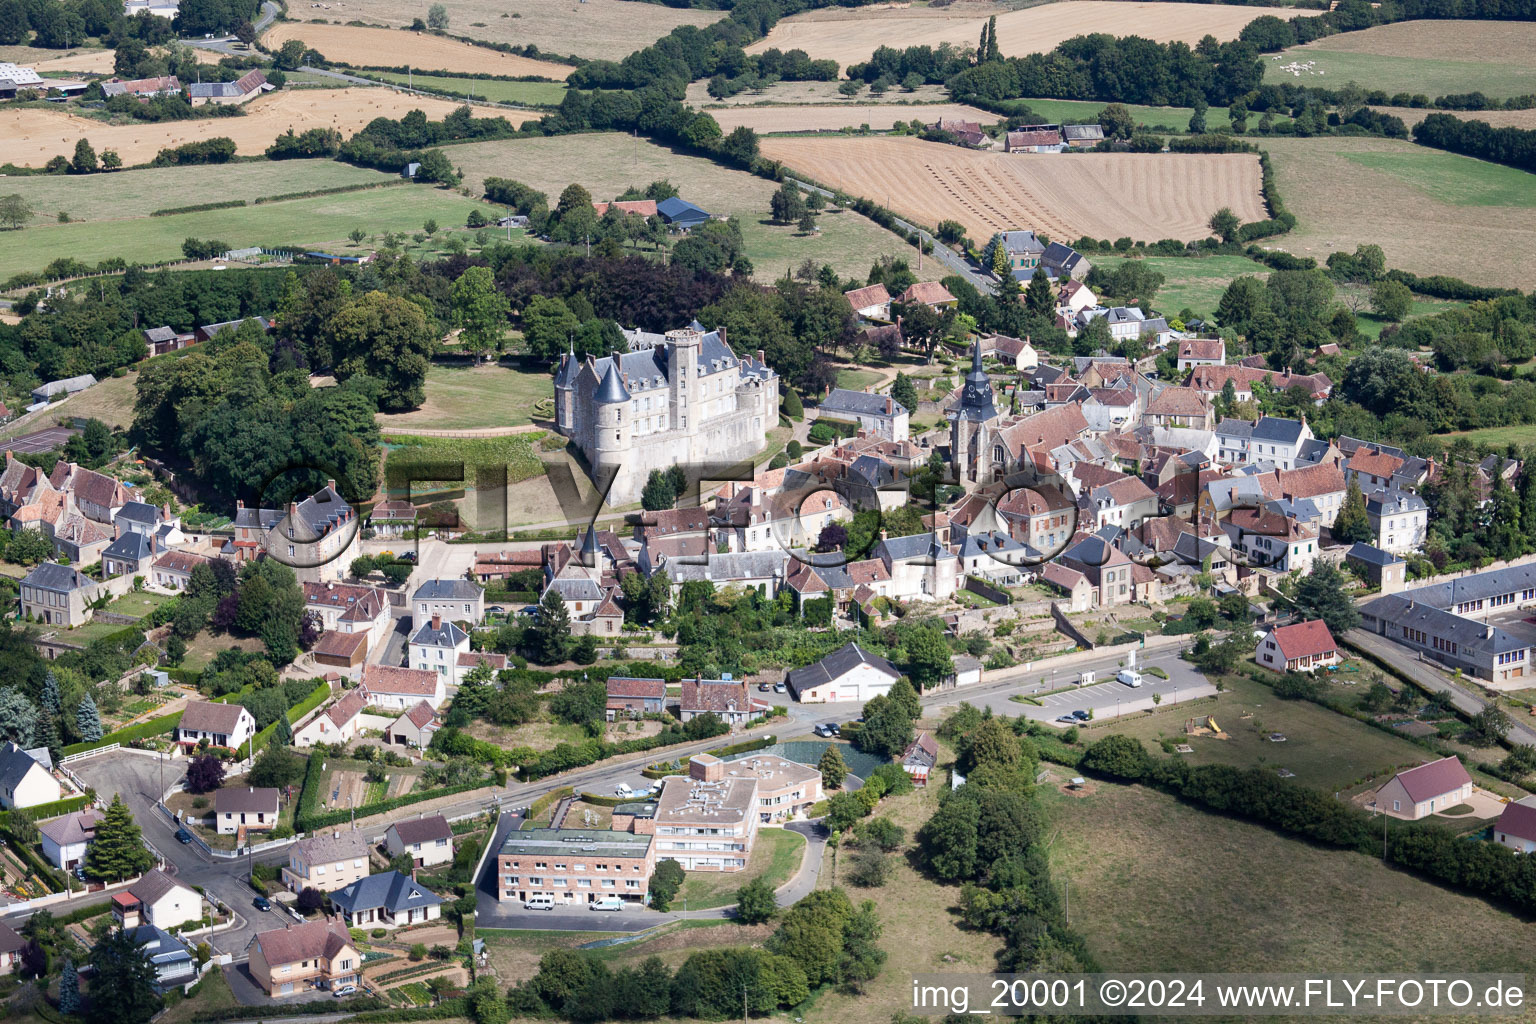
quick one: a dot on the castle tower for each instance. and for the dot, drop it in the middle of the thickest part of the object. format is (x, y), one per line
(612, 436)
(683, 350)
(565, 393)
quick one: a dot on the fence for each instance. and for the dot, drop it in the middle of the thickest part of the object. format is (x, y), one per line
(83, 754)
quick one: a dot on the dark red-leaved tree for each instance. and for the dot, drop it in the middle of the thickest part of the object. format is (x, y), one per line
(205, 774)
(833, 536)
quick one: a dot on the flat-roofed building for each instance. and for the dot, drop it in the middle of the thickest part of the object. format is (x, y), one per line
(706, 820)
(785, 789)
(574, 865)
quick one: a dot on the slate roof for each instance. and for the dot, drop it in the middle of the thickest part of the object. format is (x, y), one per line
(245, 800)
(15, 763)
(456, 589)
(1474, 640)
(1362, 552)
(1393, 501)
(1434, 779)
(422, 830)
(674, 209)
(391, 890)
(158, 946)
(861, 403)
(74, 828)
(1275, 430)
(60, 578)
(1022, 241)
(139, 512)
(130, 547)
(10, 942)
(1229, 427)
(612, 390)
(836, 665)
(446, 635)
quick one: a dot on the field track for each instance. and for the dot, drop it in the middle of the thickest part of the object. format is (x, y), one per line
(1106, 195)
(851, 35)
(880, 117)
(382, 47)
(35, 136)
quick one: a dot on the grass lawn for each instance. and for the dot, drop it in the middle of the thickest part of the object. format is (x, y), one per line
(205, 647)
(538, 735)
(1192, 283)
(1498, 437)
(606, 164)
(1452, 178)
(535, 94)
(1325, 750)
(1430, 77)
(515, 954)
(1087, 111)
(1172, 887)
(463, 397)
(515, 451)
(125, 195)
(1371, 325)
(140, 603)
(212, 995)
(776, 856)
(858, 380)
(322, 221)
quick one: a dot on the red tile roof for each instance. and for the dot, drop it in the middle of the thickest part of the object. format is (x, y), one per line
(872, 295)
(1304, 639)
(929, 293)
(392, 679)
(627, 686)
(336, 644)
(310, 941)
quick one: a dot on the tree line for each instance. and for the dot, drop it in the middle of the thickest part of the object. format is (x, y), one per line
(1513, 146)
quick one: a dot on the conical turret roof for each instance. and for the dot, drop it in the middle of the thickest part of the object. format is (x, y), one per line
(612, 390)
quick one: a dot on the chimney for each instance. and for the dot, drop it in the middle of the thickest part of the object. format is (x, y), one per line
(331, 484)
(884, 534)
(238, 502)
(437, 620)
(889, 405)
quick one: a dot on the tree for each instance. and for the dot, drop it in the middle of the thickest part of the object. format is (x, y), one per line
(658, 493)
(85, 159)
(436, 167)
(1224, 224)
(755, 902)
(205, 774)
(486, 1003)
(886, 731)
(246, 33)
(904, 696)
(123, 982)
(1320, 595)
(437, 17)
(110, 161)
(928, 657)
(843, 809)
(551, 628)
(807, 224)
(69, 989)
(870, 868)
(118, 851)
(310, 899)
(28, 547)
(14, 210)
(1352, 525)
(18, 718)
(787, 204)
(1391, 299)
(479, 310)
(949, 839)
(1039, 297)
(665, 881)
(832, 767)
(1491, 724)
(1117, 122)
(904, 392)
(277, 767)
(1197, 118)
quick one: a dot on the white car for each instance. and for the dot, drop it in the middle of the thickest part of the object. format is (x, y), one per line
(1129, 678)
(607, 903)
(343, 991)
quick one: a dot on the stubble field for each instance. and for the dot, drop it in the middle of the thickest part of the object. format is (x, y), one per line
(1496, 118)
(1145, 196)
(381, 47)
(792, 93)
(810, 118)
(35, 136)
(1408, 200)
(609, 29)
(851, 35)
(606, 164)
(1435, 58)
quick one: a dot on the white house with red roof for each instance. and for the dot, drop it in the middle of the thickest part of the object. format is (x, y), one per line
(337, 723)
(400, 689)
(1428, 789)
(1202, 352)
(414, 728)
(1516, 827)
(1299, 647)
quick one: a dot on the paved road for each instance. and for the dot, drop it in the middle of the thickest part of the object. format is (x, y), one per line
(225, 44)
(951, 259)
(137, 778)
(1435, 680)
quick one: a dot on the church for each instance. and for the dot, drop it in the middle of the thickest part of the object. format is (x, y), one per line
(680, 398)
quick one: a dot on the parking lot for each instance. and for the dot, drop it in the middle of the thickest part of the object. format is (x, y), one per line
(1112, 698)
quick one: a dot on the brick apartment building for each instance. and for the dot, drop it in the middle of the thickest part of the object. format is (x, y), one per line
(574, 865)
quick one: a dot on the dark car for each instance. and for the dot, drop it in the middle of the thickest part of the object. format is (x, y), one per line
(183, 836)
(262, 903)
(1081, 715)
(763, 687)
(837, 730)
(409, 556)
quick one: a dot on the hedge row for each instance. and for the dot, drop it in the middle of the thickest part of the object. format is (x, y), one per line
(45, 871)
(410, 972)
(361, 186)
(744, 747)
(307, 820)
(354, 1005)
(598, 800)
(1280, 219)
(42, 812)
(81, 914)
(256, 744)
(543, 803)
(198, 208)
(1440, 286)
(138, 731)
(448, 1009)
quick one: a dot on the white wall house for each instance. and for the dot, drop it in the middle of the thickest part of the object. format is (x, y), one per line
(849, 673)
(436, 646)
(428, 840)
(24, 781)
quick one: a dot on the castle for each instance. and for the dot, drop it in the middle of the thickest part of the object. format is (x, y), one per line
(682, 398)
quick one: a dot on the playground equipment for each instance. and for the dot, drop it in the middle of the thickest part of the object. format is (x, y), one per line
(1204, 726)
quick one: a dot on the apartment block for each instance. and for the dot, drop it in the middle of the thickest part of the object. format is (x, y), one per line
(706, 820)
(574, 865)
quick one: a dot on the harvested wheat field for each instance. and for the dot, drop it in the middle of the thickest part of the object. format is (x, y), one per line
(1497, 118)
(1491, 42)
(95, 61)
(1106, 195)
(814, 118)
(792, 94)
(34, 136)
(390, 48)
(849, 36)
(598, 29)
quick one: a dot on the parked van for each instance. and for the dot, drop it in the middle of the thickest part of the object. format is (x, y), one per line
(1129, 678)
(623, 790)
(540, 901)
(606, 903)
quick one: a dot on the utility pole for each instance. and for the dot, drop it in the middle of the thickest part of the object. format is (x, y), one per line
(1067, 888)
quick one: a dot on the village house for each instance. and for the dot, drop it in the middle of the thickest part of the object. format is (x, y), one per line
(143, 89)
(392, 519)
(1035, 138)
(920, 757)
(1381, 569)
(1023, 249)
(1299, 647)
(1516, 827)
(222, 725)
(1399, 519)
(387, 900)
(928, 293)
(436, 646)
(349, 609)
(399, 689)
(456, 600)
(316, 537)
(239, 809)
(157, 899)
(241, 90)
(58, 595)
(304, 957)
(727, 699)
(172, 571)
(326, 861)
(630, 698)
(1194, 352)
(337, 723)
(1122, 503)
(849, 673)
(881, 415)
(1178, 407)
(65, 839)
(414, 728)
(1430, 788)
(173, 963)
(11, 945)
(574, 865)
(25, 778)
(428, 840)
(872, 302)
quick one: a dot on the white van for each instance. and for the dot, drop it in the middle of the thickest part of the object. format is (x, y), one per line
(606, 903)
(623, 790)
(1129, 678)
(540, 901)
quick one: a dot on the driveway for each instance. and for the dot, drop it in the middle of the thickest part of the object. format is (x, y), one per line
(248, 993)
